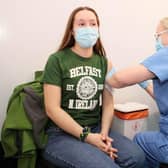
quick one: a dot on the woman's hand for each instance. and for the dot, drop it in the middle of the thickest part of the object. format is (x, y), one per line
(101, 143)
(110, 150)
(96, 140)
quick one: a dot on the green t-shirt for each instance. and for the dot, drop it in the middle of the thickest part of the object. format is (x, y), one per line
(82, 83)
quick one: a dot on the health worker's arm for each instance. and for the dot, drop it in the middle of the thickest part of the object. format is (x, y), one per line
(129, 76)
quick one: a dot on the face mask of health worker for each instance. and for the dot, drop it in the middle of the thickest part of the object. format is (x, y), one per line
(159, 45)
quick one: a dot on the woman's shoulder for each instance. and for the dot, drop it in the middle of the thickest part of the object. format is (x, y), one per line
(100, 57)
(57, 55)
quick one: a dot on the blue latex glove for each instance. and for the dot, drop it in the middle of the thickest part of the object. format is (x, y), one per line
(110, 73)
(144, 84)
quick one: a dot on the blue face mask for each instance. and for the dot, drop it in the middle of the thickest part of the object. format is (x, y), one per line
(86, 37)
(159, 44)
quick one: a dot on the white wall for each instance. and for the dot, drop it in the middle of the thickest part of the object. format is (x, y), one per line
(30, 30)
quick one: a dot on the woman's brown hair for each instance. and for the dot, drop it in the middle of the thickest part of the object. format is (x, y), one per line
(68, 39)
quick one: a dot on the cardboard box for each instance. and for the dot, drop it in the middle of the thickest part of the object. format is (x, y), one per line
(130, 118)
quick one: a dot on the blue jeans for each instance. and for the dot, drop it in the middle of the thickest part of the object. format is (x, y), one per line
(66, 151)
(155, 146)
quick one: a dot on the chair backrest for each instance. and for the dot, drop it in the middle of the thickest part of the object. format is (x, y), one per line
(163, 165)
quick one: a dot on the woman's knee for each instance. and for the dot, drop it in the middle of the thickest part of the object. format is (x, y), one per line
(134, 159)
(139, 158)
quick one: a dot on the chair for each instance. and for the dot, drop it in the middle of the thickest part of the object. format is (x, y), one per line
(163, 165)
(11, 162)
(42, 163)
(7, 162)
